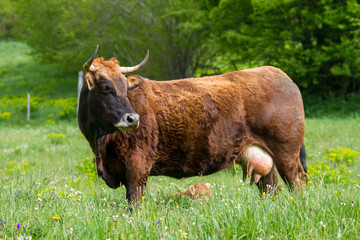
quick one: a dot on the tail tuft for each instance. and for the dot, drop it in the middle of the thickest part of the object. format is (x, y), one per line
(303, 157)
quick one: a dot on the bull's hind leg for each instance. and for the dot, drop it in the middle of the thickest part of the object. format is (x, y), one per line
(288, 165)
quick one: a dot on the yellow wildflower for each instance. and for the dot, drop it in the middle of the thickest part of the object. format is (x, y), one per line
(177, 206)
(291, 198)
(55, 217)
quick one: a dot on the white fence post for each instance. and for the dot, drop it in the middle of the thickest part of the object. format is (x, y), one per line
(28, 107)
(80, 84)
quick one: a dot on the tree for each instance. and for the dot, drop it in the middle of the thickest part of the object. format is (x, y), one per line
(66, 32)
(315, 42)
(8, 19)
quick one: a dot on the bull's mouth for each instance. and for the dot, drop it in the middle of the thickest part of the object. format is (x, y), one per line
(129, 121)
(125, 128)
(112, 184)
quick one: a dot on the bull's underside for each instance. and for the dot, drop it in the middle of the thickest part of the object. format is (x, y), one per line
(199, 126)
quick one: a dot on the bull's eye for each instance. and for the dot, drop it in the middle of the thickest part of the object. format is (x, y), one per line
(107, 89)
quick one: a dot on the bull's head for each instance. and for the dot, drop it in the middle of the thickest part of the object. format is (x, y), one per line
(107, 96)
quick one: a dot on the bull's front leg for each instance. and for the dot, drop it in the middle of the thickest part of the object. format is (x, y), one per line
(135, 188)
(137, 173)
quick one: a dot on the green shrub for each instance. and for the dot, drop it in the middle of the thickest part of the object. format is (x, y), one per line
(19, 103)
(329, 175)
(15, 106)
(337, 167)
(87, 167)
(5, 115)
(66, 107)
(56, 138)
(342, 155)
(16, 168)
(49, 122)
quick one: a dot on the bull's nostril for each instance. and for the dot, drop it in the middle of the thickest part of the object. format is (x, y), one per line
(129, 119)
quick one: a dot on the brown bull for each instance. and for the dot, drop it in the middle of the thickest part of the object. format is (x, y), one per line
(190, 127)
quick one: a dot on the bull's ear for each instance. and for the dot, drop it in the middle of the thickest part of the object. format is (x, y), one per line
(133, 82)
(89, 81)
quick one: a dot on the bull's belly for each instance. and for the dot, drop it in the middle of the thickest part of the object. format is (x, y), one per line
(183, 173)
(189, 167)
(254, 160)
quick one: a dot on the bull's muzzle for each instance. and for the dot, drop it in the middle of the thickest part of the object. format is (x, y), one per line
(128, 121)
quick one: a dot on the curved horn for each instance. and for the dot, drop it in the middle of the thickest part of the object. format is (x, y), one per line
(87, 66)
(134, 68)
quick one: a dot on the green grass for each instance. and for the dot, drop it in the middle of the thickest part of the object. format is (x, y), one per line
(47, 173)
(44, 182)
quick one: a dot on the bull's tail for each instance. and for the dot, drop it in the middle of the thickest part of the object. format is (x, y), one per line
(303, 157)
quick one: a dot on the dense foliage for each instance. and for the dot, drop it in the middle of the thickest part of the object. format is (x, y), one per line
(67, 31)
(8, 19)
(316, 42)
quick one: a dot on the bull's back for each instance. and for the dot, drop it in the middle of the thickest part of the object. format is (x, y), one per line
(258, 99)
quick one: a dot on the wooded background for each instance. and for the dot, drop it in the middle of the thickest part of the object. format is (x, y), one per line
(315, 42)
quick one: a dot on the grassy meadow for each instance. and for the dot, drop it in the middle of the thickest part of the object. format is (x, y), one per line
(49, 190)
